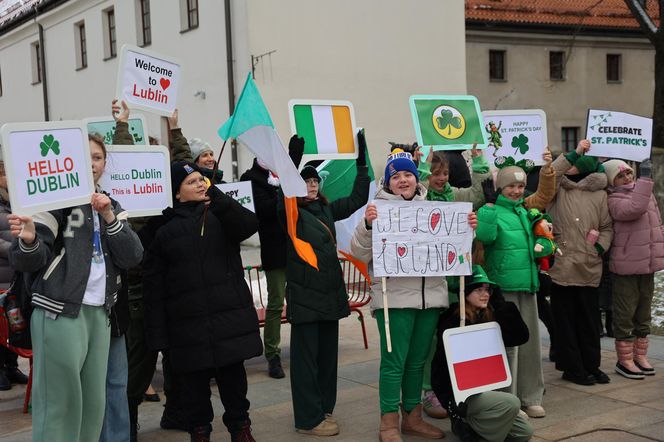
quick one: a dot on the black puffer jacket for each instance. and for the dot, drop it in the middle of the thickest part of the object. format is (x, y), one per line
(197, 303)
(320, 295)
(270, 231)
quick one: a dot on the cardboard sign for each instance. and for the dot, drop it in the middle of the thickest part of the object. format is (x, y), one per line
(476, 359)
(520, 134)
(327, 126)
(619, 135)
(48, 165)
(241, 192)
(422, 238)
(447, 122)
(139, 178)
(105, 127)
(148, 80)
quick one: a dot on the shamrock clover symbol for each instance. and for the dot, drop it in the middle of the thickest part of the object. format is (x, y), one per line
(520, 143)
(49, 143)
(447, 119)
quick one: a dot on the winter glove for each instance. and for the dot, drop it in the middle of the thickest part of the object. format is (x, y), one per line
(490, 195)
(296, 150)
(645, 169)
(361, 149)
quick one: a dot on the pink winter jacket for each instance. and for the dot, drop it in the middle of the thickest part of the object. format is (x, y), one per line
(638, 240)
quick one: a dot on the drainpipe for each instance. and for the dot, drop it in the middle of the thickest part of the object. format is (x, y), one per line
(42, 73)
(231, 82)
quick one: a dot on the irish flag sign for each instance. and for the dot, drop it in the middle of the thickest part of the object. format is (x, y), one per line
(447, 122)
(476, 359)
(327, 126)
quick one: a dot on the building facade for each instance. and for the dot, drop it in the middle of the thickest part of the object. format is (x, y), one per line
(59, 59)
(562, 57)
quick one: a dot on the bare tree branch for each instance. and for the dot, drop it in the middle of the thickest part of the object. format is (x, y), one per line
(645, 21)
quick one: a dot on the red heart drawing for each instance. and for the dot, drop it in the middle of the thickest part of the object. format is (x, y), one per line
(401, 251)
(451, 256)
(165, 82)
(435, 219)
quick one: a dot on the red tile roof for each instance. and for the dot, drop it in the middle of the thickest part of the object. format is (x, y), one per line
(587, 13)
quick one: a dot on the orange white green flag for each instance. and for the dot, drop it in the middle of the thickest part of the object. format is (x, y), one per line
(327, 126)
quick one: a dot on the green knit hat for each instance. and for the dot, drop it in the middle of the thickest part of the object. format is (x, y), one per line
(587, 164)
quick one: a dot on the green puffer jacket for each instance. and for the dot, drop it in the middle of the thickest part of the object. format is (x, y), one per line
(320, 295)
(509, 253)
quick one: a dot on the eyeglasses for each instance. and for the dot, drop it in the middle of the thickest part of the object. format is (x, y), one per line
(311, 181)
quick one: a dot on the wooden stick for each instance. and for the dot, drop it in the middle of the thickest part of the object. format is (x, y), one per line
(388, 338)
(462, 301)
(223, 146)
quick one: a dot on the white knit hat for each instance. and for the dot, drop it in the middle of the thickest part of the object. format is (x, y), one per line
(197, 147)
(613, 167)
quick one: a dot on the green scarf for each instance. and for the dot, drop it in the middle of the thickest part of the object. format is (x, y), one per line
(447, 194)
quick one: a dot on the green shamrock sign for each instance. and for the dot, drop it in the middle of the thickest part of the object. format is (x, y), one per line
(520, 143)
(49, 143)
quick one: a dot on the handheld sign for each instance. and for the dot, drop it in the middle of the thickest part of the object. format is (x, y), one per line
(241, 192)
(48, 165)
(619, 135)
(520, 134)
(422, 238)
(148, 80)
(105, 127)
(447, 122)
(476, 359)
(139, 178)
(327, 126)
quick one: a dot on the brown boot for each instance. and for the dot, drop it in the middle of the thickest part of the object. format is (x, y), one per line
(389, 428)
(640, 356)
(412, 424)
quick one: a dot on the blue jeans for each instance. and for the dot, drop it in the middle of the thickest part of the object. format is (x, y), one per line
(116, 417)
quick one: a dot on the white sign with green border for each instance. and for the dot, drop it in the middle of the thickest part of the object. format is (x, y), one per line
(619, 135)
(105, 126)
(48, 165)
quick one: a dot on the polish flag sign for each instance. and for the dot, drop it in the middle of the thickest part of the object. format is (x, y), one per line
(476, 359)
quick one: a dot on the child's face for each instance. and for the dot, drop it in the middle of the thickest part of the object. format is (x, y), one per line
(98, 160)
(624, 177)
(513, 191)
(479, 298)
(403, 183)
(438, 180)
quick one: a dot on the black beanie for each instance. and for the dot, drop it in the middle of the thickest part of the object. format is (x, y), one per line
(309, 172)
(179, 171)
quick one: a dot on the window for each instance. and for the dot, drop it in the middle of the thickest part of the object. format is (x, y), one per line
(613, 68)
(110, 43)
(497, 65)
(145, 28)
(570, 138)
(556, 65)
(188, 15)
(35, 56)
(81, 46)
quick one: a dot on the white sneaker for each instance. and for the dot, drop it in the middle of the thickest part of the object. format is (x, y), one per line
(535, 411)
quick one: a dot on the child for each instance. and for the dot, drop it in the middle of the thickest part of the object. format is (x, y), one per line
(504, 230)
(414, 311)
(77, 254)
(582, 229)
(637, 251)
(492, 415)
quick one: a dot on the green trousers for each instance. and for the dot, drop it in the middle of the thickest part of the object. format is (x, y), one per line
(402, 370)
(632, 301)
(314, 349)
(69, 378)
(494, 415)
(276, 290)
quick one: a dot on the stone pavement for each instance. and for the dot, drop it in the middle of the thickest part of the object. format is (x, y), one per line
(624, 410)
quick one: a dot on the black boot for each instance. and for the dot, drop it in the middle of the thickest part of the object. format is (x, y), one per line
(201, 433)
(4, 381)
(274, 368)
(16, 376)
(133, 421)
(173, 419)
(242, 432)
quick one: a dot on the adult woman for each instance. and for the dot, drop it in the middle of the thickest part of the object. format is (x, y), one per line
(77, 254)
(317, 298)
(492, 415)
(197, 303)
(415, 305)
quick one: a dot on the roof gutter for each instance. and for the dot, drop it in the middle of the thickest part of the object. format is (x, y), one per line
(42, 55)
(231, 83)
